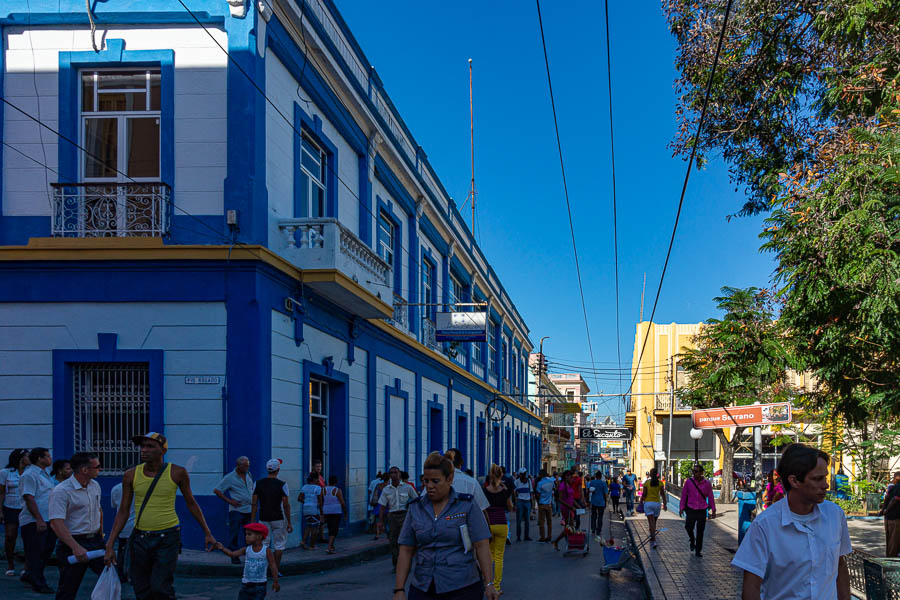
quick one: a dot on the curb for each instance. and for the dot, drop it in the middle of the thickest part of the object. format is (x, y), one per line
(287, 568)
(645, 580)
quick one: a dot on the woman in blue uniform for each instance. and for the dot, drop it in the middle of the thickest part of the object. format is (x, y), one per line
(438, 527)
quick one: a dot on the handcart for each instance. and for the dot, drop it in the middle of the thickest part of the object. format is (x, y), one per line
(578, 541)
(614, 558)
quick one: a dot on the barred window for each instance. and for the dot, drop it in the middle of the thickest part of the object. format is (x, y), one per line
(111, 404)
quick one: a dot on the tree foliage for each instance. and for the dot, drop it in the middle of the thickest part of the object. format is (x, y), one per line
(788, 69)
(835, 230)
(737, 360)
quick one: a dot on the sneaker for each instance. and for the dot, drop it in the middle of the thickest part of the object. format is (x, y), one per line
(598, 539)
(10, 572)
(692, 546)
(699, 555)
(653, 544)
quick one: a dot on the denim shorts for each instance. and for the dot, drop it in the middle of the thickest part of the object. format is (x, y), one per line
(652, 509)
(252, 591)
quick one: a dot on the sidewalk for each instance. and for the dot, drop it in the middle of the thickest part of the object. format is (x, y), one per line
(672, 570)
(296, 561)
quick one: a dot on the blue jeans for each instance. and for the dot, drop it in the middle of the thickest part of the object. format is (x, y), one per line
(236, 522)
(523, 511)
(252, 591)
(629, 500)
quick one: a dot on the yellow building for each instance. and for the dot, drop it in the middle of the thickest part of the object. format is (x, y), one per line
(657, 376)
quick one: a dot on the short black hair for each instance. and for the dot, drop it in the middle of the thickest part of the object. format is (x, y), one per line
(58, 465)
(81, 459)
(457, 457)
(15, 457)
(798, 460)
(313, 477)
(37, 454)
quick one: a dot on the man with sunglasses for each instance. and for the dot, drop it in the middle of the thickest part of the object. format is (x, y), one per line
(77, 520)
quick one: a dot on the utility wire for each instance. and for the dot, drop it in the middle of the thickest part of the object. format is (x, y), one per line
(612, 151)
(562, 167)
(687, 176)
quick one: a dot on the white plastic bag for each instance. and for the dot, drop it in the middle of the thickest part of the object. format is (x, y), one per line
(108, 586)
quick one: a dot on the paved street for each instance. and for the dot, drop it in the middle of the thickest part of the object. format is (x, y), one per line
(531, 570)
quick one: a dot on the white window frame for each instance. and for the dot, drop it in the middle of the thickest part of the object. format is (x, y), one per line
(492, 347)
(314, 180)
(122, 126)
(386, 250)
(318, 398)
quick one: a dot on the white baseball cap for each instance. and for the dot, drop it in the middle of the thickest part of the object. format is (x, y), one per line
(523, 470)
(273, 465)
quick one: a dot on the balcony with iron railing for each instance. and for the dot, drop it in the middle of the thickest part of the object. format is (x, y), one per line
(663, 403)
(87, 210)
(400, 318)
(339, 265)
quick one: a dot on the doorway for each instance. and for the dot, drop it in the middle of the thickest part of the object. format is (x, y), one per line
(319, 397)
(482, 448)
(435, 430)
(462, 436)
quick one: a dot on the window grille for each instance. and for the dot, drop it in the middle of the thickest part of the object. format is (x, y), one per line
(111, 404)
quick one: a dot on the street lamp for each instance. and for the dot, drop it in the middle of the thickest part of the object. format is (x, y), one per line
(696, 434)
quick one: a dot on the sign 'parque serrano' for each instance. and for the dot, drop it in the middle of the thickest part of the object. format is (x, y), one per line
(752, 415)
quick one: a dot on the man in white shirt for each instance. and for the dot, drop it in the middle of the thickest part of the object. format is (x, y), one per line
(463, 483)
(122, 562)
(394, 498)
(37, 537)
(795, 549)
(77, 520)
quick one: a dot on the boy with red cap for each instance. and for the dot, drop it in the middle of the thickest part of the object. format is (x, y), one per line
(258, 558)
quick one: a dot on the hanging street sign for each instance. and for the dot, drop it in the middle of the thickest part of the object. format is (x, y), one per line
(752, 415)
(461, 327)
(564, 407)
(604, 433)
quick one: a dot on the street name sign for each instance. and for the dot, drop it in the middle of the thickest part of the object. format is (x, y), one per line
(752, 415)
(565, 407)
(604, 433)
(202, 380)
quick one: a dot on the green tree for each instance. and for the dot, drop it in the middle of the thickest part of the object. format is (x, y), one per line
(737, 360)
(788, 69)
(835, 231)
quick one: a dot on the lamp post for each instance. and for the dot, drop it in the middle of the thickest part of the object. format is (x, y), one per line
(696, 435)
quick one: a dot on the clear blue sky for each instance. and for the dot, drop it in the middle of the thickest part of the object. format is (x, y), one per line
(420, 50)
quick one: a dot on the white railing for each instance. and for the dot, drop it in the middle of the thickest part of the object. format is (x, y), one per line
(325, 243)
(110, 209)
(429, 332)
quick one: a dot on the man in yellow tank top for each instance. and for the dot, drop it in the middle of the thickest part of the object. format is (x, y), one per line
(157, 533)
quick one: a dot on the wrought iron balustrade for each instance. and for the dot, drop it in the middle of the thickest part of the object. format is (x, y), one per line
(111, 209)
(429, 334)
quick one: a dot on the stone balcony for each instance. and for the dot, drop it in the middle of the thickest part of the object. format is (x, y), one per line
(338, 265)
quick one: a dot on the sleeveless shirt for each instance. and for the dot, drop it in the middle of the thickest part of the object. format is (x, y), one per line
(160, 510)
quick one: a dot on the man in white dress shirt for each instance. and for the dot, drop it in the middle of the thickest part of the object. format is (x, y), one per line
(464, 483)
(795, 549)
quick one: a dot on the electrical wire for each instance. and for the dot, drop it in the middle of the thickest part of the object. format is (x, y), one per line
(562, 167)
(612, 152)
(687, 176)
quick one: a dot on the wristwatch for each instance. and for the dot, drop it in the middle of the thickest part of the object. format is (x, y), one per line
(399, 590)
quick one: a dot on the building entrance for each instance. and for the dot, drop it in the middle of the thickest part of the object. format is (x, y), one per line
(319, 398)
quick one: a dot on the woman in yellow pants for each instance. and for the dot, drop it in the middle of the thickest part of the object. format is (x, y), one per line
(500, 500)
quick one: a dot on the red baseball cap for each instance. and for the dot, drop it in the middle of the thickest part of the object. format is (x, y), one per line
(258, 528)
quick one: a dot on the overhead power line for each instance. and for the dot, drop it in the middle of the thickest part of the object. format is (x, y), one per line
(612, 154)
(687, 176)
(562, 168)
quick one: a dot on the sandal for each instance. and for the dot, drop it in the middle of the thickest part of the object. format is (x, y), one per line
(330, 551)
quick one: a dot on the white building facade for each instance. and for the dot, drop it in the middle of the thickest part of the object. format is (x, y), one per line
(215, 224)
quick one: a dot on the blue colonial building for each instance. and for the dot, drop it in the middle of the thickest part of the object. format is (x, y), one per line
(215, 224)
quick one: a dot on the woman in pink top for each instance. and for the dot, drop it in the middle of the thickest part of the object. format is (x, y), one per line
(774, 490)
(566, 506)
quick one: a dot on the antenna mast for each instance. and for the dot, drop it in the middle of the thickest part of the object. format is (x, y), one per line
(472, 145)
